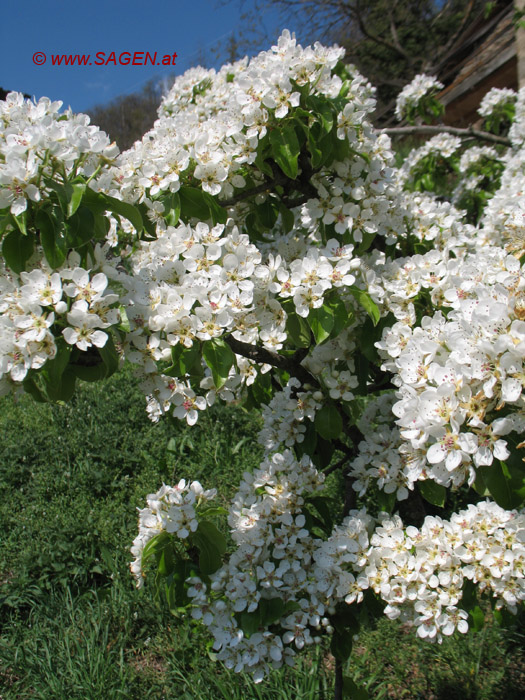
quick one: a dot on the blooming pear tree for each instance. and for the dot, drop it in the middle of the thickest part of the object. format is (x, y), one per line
(260, 246)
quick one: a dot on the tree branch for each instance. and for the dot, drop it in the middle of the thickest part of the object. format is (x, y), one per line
(302, 184)
(261, 355)
(468, 132)
(264, 187)
(338, 465)
(338, 687)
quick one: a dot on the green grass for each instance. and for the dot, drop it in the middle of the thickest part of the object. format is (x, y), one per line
(72, 626)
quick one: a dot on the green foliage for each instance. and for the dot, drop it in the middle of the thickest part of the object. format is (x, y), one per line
(428, 109)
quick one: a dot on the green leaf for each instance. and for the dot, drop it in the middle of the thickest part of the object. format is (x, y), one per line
(80, 227)
(217, 212)
(5, 221)
(63, 192)
(365, 300)
(328, 422)
(155, 546)
(220, 359)
(341, 644)
(432, 492)
(263, 165)
(504, 481)
(285, 150)
(211, 510)
(175, 586)
(298, 330)
(200, 205)
(345, 619)
(315, 149)
(172, 208)
(33, 390)
(77, 192)
(124, 324)
(209, 557)
(309, 443)
(323, 111)
(386, 501)
(326, 146)
(321, 321)
(183, 360)
(261, 389)
(250, 622)
(58, 380)
(128, 211)
(287, 218)
(324, 450)
(323, 507)
(21, 221)
(101, 226)
(477, 618)
(267, 213)
(368, 239)
(271, 610)
(208, 530)
(55, 368)
(52, 239)
(342, 316)
(17, 249)
(89, 373)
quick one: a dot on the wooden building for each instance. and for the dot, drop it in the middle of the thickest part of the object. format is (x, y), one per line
(487, 57)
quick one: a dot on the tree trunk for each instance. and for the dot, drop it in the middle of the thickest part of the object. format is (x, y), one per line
(338, 687)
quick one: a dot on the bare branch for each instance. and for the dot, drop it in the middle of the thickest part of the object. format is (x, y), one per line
(356, 14)
(468, 132)
(393, 28)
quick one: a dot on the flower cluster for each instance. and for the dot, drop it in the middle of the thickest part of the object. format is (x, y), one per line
(173, 509)
(422, 86)
(39, 144)
(420, 572)
(37, 306)
(436, 153)
(494, 100)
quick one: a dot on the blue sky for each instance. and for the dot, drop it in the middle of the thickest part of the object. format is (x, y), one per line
(57, 27)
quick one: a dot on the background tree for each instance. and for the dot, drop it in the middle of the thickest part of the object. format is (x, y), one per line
(126, 118)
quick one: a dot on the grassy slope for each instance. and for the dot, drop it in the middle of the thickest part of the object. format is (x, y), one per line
(73, 626)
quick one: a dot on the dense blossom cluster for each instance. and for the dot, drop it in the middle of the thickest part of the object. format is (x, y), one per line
(495, 99)
(409, 97)
(38, 143)
(418, 572)
(72, 299)
(438, 150)
(171, 509)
